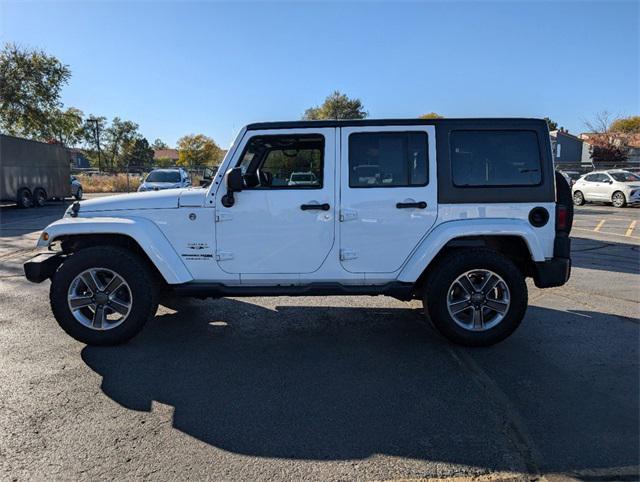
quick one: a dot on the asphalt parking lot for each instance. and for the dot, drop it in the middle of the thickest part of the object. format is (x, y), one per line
(329, 388)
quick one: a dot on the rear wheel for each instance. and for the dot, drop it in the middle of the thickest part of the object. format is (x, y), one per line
(24, 199)
(39, 197)
(476, 297)
(618, 200)
(103, 295)
(578, 198)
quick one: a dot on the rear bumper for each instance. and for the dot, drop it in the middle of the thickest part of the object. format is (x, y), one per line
(553, 272)
(42, 266)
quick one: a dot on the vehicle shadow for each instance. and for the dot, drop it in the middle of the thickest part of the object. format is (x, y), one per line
(330, 383)
(605, 255)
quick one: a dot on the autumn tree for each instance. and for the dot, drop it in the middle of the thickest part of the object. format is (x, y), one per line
(431, 115)
(30, 86)
(553, 125)
(626, 125)
(198, 150)
(337, 106)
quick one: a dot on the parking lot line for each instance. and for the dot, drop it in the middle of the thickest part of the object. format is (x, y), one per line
(605, 233)
(597, 228)
(631, 227)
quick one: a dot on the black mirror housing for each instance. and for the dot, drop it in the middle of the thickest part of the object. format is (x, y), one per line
(235, 181)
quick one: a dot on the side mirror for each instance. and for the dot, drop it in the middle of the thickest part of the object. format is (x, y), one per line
(235, 183)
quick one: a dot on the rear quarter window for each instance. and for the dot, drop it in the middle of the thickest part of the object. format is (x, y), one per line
(485, 158)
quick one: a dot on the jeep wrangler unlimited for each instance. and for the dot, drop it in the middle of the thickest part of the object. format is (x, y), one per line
(454, 212)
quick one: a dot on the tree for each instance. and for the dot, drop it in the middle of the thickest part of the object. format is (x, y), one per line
(431, 115)
(627, 125)
(198, 150)
(601, 122)
(137, 153)
(159, 144)
(608, 150)
(67, 127)
(553, 125)
(337, 106)
(117, 135)
(30, 85)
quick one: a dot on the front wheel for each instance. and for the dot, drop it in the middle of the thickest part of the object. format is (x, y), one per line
(578, 198)
(476, 297)
(618, 200)
(103, 295)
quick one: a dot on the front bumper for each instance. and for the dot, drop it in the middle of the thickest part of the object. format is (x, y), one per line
(42, 266)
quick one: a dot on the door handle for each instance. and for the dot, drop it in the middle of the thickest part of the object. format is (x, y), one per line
(419, 205)
(317, 207)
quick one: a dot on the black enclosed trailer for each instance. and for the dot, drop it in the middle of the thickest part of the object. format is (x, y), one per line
(32, 172)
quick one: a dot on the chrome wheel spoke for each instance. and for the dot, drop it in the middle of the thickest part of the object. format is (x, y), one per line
(497, 306)
(98, 317)
(115, 283)
(80, 302)
(478, 318)
(120, 306)
(459, 306)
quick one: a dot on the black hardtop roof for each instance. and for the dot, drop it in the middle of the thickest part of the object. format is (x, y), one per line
(300, 124)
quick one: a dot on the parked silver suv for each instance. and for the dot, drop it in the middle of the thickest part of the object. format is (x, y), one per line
(159, 179)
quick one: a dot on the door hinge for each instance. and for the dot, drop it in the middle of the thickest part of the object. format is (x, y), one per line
(222, 217)
(348, 214)
(346, 254)
(223, 255)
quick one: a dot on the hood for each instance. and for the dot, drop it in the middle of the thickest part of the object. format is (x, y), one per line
(166, 199)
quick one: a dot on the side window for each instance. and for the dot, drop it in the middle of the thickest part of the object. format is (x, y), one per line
(283, 162)
(591, 178)
(495, 158)
(388, 159)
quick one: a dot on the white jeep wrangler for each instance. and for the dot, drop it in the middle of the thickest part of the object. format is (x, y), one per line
(455, 212)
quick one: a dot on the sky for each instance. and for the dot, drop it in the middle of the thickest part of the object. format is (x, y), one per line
(210, 67)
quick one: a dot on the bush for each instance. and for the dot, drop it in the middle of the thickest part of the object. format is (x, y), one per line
(108, 182)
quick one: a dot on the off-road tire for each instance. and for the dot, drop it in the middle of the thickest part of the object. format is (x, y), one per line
(134, 270)
(453, 265)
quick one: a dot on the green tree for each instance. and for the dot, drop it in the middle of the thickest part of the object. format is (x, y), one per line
(138, 154)
(159, 144)
(431, 115)
(626, 125)
(337, 106)
(117, 135)
(67, 127)
(30, 85)
(198, 150)
(553, 125)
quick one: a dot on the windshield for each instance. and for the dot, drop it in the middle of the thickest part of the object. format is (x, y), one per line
(163, 176)
(624, 176)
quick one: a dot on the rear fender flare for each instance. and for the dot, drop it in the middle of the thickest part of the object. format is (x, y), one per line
(435, 241)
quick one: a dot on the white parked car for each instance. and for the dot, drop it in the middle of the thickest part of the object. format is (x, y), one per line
(165, 179)
(457, 214)
(617, 187)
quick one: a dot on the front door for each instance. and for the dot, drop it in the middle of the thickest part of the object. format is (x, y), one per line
(283, 221)
(388, 195)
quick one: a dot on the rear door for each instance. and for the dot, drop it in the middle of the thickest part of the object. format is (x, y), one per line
(388, 196)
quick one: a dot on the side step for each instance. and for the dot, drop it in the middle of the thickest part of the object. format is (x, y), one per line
(396, 289)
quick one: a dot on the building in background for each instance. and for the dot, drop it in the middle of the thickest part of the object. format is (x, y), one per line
(165, 157)
(569, 151)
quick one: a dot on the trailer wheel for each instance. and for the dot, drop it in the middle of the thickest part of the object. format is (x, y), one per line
(39, 197)
(24, 199)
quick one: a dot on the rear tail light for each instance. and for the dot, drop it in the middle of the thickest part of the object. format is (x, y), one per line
(561, 217)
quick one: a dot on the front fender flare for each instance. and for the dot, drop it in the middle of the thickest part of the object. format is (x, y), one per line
(431, 245)
(143, 231)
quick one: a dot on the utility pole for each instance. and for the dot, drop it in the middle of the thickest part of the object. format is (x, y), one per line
(96, 135)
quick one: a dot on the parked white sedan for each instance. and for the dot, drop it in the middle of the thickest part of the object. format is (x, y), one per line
(617, 187)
